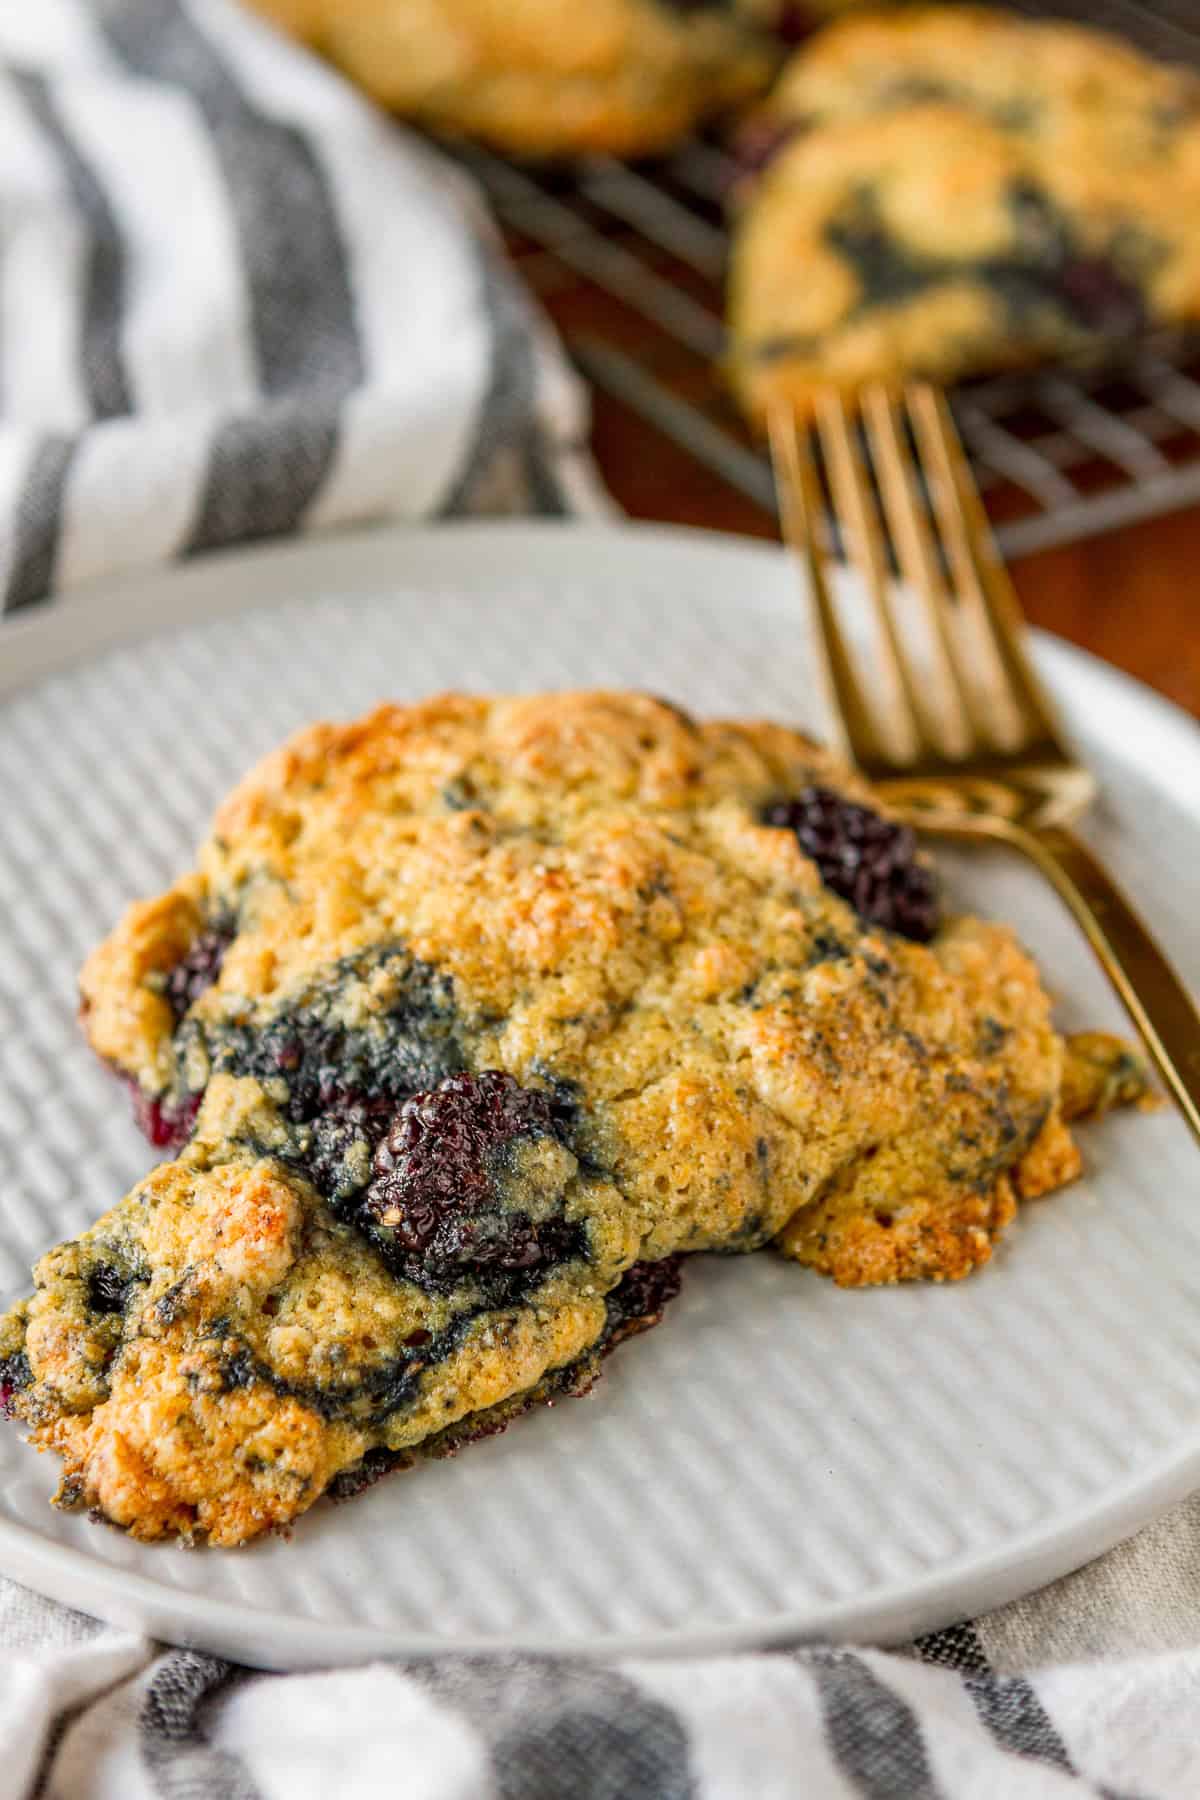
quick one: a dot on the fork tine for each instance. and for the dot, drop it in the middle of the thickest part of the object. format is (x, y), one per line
(1002, 719)
(1012, 685)
(854, 503)
(948, 718)
(850, 713)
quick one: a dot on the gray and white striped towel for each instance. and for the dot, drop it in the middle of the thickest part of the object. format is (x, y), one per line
(1111, 1711)
(236, 302)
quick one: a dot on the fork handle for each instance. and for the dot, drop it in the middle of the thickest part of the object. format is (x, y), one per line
(1153, 994)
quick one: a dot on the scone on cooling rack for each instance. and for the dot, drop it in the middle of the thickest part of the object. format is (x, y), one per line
(948, 191)
(540, 78)
(474, 1017)
(1044, 80)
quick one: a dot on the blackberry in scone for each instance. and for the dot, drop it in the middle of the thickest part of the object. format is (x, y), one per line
(954, 191)
(477, 1015)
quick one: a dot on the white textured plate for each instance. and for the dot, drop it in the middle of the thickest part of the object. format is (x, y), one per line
(779, 1459)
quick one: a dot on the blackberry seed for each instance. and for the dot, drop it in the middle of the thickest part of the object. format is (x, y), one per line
(867, 859)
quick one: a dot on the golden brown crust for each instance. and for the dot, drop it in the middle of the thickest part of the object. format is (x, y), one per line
(623, 76)
(579, 890)
(123, 1006)
(964, 191)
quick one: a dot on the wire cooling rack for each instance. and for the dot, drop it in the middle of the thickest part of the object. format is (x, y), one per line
(629, 260)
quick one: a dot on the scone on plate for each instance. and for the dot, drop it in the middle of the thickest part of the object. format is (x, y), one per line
(946, 191)
(537, 78)
(474, 1017)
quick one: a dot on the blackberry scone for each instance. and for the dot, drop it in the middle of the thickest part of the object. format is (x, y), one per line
(948, 192)
(535, 77)
(1045, 80)
(475, 1016)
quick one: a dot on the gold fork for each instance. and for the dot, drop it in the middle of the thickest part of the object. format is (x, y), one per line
(958, 733)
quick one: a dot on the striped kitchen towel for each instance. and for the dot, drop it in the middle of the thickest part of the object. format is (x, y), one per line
(1091, 1690)
(236, 302)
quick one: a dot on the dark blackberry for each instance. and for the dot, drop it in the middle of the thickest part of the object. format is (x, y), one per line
(348, 1081)
(434, 1208)
(869, 860)
(1093, 290)
(109, 1288)
(562, 1097)
(342, 1145)
(640, 1298)
(165, 1121)
(886, 270)
(329, 1066)
(198, 970)
(1046, 264)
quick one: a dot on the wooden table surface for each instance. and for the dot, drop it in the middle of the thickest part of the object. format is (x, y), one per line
(1126, 596)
